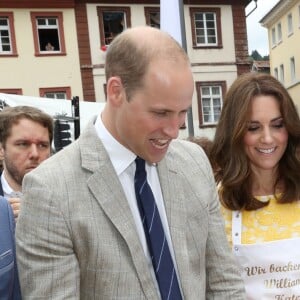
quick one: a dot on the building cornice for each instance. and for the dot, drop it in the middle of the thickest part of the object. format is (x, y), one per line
(281, 8)
(186, 2)
(71, 3)
(37, 4)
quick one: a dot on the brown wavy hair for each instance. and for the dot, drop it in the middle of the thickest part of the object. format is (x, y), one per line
(234, 172)
(10, 116)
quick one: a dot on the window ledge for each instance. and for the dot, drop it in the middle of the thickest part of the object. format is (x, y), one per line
(8, 55)
(202, 126)
(208, 47)
(51, 54)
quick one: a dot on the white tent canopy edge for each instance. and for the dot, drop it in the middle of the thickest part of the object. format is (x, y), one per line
(54, 107)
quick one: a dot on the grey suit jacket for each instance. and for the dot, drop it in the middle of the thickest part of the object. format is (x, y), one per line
(76, 238)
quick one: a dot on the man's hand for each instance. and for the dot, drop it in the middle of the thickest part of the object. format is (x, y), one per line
(15, 204)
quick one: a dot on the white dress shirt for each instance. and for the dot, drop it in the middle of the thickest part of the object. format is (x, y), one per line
(7, 190)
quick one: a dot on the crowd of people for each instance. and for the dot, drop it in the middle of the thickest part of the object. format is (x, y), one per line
(128, 211)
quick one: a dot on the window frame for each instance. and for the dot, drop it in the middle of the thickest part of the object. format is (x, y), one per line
(298, 16)
(63, 89)
(279, 33)
(290, 27)
(218, 28)
(10, 16)
(281, 73)
(210, 84)
(53, 14)
(148, 11)
(273, 35)
(101, 9)
(293, 69)
(276, 73)
(12, 91)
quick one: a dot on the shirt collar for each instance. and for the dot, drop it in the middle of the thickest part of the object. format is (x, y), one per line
(7, 190)
(119, 155)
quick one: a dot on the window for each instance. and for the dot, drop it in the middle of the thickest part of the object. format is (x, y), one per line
(112, 21)
(7, 35)
(281, 73)
(273, 37)
(290, 24)
(299, 14)
(276, 73)
(206, 27)
(210, 101)
(279, 33)
(293, 69)
(48, 33)
(152, 15)
(56, 93)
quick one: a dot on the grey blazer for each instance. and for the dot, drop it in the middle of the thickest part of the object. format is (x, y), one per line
(76, 238)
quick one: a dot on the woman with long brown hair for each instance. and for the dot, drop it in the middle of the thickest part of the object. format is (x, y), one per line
(258, 174)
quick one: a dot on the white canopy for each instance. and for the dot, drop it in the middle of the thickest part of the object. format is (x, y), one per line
(55, 107)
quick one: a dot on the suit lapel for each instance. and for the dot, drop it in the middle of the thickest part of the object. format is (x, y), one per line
(172, 188)
(173, 192)
(104, 184)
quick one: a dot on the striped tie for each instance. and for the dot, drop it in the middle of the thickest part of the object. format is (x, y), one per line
(155, 236)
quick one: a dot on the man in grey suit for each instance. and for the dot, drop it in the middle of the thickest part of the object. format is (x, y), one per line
(80, 234)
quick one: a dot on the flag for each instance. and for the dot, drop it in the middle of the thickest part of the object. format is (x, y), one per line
(170, 18)
(172, 21)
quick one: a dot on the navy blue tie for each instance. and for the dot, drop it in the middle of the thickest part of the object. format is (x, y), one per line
(155, 236)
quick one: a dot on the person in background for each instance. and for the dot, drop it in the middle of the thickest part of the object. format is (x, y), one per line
(84, 230)
(255, 148)
(9, 281)
(25, 141)
(205, 143)
(49, 47)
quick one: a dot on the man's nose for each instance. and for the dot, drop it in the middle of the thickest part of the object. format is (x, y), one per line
(34, 150)
(172, 127)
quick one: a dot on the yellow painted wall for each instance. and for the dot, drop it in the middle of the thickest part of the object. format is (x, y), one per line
(282, 52)
(31, 72)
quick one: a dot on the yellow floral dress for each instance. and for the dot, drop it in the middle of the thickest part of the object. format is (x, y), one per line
(270, 223)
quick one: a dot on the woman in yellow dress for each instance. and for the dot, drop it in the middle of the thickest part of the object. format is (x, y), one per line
(258, 174)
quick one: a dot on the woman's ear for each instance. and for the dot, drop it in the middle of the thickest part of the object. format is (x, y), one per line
(115, 91)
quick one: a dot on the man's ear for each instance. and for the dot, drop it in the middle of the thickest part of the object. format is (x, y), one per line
(115, 91)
